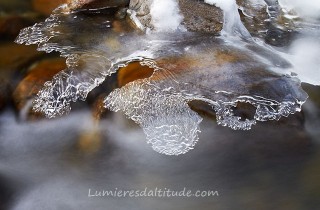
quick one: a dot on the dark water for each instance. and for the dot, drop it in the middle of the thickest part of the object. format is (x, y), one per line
(52, 164)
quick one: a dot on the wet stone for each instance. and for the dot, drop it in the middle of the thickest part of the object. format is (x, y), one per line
(254, 17)
(313, 92)
(96, 4)
(11, 25)
(278, 37)
(132, 72)
(14, 6)
(4, 89)
(14, 56)
(98, 110)
(37, 75)
(45, 7)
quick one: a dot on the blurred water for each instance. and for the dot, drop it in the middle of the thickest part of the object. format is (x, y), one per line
(46, 169)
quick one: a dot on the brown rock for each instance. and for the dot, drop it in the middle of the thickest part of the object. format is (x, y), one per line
(201, 17)
(94, 4)
(38, 74)
(4, 89)
(132, 72)
(98, 110)
(10, 26)
(46, 7)
(14, 56)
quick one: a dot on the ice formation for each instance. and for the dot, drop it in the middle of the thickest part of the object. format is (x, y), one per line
(187, 67)
(232, 24)
(165, 15)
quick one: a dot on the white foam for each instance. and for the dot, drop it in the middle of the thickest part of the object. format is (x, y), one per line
(305, 54)
(305, 9)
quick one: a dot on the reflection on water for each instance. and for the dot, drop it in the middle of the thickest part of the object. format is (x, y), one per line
(190, 82)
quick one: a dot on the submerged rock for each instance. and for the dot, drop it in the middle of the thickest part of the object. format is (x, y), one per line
(14, 57)
(4, 89)
(27, 89)
(12, 60)
(10, 25)
(132, 72)
(45, 7)
(96, 4)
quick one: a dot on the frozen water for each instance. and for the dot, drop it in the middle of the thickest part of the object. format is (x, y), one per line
(232, 24)
(165, 15)
(218, 71)
(168, 122)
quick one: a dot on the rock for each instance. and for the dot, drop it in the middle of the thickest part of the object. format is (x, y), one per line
(142, 13)
(279, 37)
(198, 16)
(132, 72)
(96, 4)
(254, 16)
(15, 6)
(45, 7)
(4, 89)
(37, 75)
(201, 17)
(10, 26)
(98, 110)
(14, 56)
(313, 92)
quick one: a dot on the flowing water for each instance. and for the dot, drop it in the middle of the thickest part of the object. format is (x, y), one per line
(228, 108)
